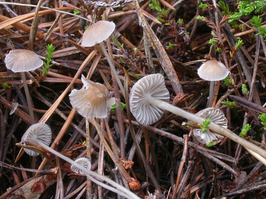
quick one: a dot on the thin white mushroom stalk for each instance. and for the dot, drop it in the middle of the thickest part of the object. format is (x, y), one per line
(113, 68)
(144, 91)
(95, 34)
(94, 180)
(214, 127)
(212, 71)
(127, 193)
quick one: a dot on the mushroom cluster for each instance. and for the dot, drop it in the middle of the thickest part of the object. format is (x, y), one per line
(145, 93)
(37, 134)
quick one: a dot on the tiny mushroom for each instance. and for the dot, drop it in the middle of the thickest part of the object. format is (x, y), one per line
(40, 132)
(212, 71)
(22, 60)
(150, 86)
(90, 101)
(96, 34)
(216, 116)
(144, 102)
(84, 162)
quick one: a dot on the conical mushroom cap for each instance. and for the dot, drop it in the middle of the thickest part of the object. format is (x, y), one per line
(213, 70)
(150, 85)
(22, 60)
(40, 132)
(90, 101)
(84, 162)
(216, 116)
(97, 32)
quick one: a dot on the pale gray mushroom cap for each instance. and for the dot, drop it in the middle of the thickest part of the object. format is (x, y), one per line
(148, 86)
(216, 116)
(213, 70)
(97, 32)
(22, 60)
(40, 132)
(91, 100)
(84, 162)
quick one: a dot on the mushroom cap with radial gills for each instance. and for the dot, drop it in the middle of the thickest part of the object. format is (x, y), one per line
(22, 60)
(149, 86)
(216, 116)
(91, 100)
(97, 32)
(213, 70)
(40, 132)
(84, 162)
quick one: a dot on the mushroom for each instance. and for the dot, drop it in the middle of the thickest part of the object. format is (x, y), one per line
(84, 162)
(145, 105)
(91, 100)
(36, 137)
(212, 71)
(22, 60)
(96, 34)
(40, 132)
(216, 116)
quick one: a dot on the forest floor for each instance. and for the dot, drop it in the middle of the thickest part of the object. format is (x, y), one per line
(169, 157)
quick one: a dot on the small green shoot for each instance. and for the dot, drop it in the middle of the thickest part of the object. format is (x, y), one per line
(204, 127)
(201, 18)
(122, 60)
(245, 90)
(203, 6)
(245, 130)
(256, 21)
(225, 8)
(136, 76)
(155, 5)
(239, 43)
(76, 12)
(210, 144)
(262, 117)
(218, 50)
(180, 21)
(47, 64)
(245, 8)
(170, 46)
(213, 41)
(229, 104)
(123, 106)
(5, 85)
(227, 81)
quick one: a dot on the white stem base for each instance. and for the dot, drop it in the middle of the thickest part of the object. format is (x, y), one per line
(126, 193)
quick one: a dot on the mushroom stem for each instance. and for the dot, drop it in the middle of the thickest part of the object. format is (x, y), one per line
(128, 193)
(26, 89)
(108, 187)
(216, 128)
(112, 68)
(211, 93)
